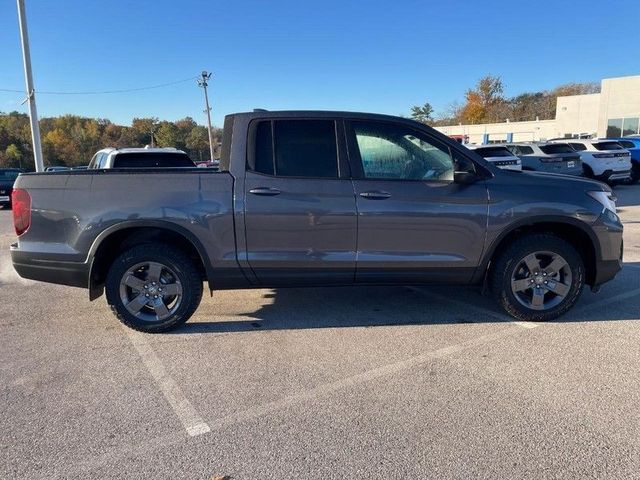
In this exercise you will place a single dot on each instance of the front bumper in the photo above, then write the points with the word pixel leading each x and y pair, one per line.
pixel 28 265
pixel 608 230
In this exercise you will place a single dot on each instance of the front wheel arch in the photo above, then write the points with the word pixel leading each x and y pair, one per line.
pixel 576 235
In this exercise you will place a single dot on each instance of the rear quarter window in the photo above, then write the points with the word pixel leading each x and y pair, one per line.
pixel 627 144
pixel 152 160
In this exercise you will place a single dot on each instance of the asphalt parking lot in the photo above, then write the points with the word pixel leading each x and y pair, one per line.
pixel 322 383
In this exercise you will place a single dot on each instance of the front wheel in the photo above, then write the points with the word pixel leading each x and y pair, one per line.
pixel 153 288
pixel 538 277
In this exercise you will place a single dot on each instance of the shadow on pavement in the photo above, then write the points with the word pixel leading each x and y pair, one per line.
pixel 344 307
pixel 627 196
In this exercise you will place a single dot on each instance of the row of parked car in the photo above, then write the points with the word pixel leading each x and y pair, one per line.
pixel 610 160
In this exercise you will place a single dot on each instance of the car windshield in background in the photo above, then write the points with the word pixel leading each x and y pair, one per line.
pixel 9 175
pixel 556 148
pixel 627 144
pixel 494 152
pixel 152 160
pixel 608 146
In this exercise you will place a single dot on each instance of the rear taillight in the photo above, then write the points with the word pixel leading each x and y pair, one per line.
pixel 603 155
pixel 21 205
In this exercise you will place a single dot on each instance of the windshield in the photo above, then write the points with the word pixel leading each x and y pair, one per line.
pixel 556 148
pixel 152 160
pixel 494 152
pixel 9 175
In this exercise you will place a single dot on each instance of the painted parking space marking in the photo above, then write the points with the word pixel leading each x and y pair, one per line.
pixel 184 410
pixel 354 380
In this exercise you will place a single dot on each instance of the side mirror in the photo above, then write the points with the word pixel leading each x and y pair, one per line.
pixel 465 178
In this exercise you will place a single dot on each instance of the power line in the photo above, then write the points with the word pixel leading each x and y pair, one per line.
pixel 103 92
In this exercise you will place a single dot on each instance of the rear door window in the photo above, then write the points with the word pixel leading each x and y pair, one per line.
pixel 295 148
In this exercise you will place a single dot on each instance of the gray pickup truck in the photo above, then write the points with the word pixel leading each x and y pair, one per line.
pixel 317 199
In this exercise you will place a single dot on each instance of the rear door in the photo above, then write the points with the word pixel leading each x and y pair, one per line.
pixel 415 225
pixel 300 211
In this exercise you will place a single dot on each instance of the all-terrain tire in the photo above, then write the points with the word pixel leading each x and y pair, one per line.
pixel 502 271
pixel 177 266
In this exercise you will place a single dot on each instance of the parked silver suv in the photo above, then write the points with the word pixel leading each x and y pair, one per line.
pixel 140 158
pixel 547 157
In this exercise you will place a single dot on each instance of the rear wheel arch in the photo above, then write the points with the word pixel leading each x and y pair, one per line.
pixel 579 237
pixel 113 241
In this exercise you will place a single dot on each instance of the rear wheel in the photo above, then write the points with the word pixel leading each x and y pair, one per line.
pixel 538 277
pixel 153 288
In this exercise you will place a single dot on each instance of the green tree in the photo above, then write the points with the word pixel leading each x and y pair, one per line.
pixel 423 114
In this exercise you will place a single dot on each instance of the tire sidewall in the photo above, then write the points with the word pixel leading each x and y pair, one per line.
pixel 172 258
pixel 513 258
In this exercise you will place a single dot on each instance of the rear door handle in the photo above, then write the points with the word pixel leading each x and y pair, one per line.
pixel 375 195
pixel 265 191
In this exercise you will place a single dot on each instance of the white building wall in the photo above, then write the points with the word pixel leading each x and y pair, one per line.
pixel 522 131
pixel 620 98
pixel 577 114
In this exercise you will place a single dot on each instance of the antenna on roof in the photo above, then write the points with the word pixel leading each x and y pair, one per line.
pixel 260 110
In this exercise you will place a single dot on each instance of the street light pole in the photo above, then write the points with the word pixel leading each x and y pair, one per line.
pixel 31 95
pixel 203 83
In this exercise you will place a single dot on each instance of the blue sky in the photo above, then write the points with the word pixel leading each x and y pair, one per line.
pixel 381 56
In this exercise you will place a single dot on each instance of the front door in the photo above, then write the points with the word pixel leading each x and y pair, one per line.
pixel 415 225
pixel 300 211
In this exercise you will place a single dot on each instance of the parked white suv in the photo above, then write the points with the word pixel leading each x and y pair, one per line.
pixel 140 158
pixel 498 155
pixel 604 160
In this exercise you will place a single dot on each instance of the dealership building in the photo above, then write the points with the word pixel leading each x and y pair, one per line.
pixel 613 112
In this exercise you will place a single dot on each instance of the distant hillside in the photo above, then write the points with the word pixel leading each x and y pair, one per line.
pixel 72 140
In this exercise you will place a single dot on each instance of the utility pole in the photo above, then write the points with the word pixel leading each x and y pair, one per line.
pixel 203 83
pixel 31 94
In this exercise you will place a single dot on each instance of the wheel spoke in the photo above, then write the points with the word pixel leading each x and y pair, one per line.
pixel 533 264
pixel 558 288
pixel 160 308
pixel 520 285
pixel 171 289
pixel 135 305
pixel 537 301
pixel 154 272
pixel 134 282
pixel 556 265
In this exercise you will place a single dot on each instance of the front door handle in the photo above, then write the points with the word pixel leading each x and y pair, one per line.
pixel 266 191
pixel 375 195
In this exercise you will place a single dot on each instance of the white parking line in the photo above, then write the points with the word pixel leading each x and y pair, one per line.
pixel 192 422
pixel 485 311
pixel 369 375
